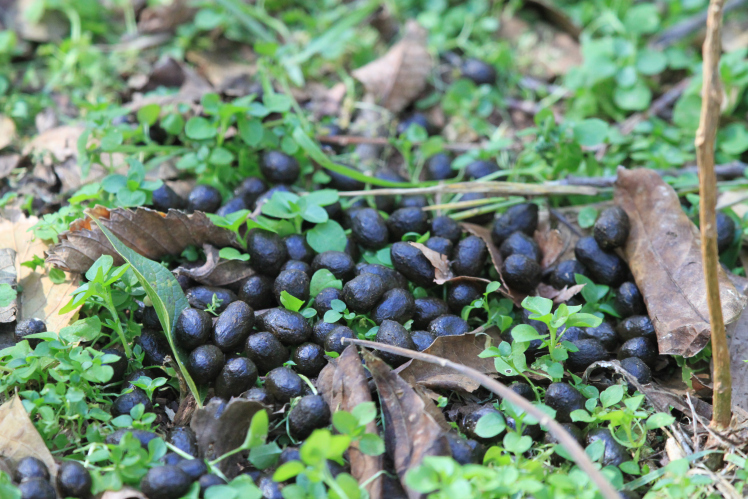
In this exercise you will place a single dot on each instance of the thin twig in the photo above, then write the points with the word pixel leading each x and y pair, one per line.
pixel 494 187
pixel 687 27
pixel 565 439
pixel 563 220
pixel 711 96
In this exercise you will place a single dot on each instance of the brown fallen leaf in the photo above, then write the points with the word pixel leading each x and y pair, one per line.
pixel 399 76
pixel 411 434
pixel 552 245
pixel 165 16
pixel 442 272
pixel 40 298
pixel 217 271
pixel 193 88
pixel 151 233
pixel 225 71
pixel 8 275
pixel 344 389
pixel 8 162
pixel 558 295
pixel 18 436
pixel 7 131
pixel 664 254
pixel 221 427
pixel 123 493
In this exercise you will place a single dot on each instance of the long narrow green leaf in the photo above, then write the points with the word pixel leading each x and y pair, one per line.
pixel 165 293
pixel 654 475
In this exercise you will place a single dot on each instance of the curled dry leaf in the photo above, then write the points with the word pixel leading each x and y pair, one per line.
pixel 558 296
pixel 552 245
pixel 18 436
pixel 399 76
pixel 217 271
pixel 165 16
pixel 123 493
pixel 442 272
pixel 151 233
pixel 411 434
pixel 664 253
pixel 345 387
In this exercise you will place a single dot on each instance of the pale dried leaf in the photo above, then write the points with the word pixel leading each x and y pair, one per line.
pixel 552 245
pixel 8 162
pixel 165 16
pixel 558 296
pixel 217 271
pixel 18 436
pixel 150 233
pixel 399 76
pixel 192 90
pixel 8 275
pixel 7 131
pixel 664 253
pixel 227 74
pixel 123 493
pixel 442 272
pixel 53 25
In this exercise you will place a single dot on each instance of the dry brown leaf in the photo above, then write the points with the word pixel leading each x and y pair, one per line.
pixel 344 386
pixel 442 272
pixel 7 131
pixel 8 275
pixel 558 296
pixel 193 88
pixel 165 16
pixel 326 101
pixel 123 493
pixel 217 271
pixel 8 162
pixel 18 436
pixel 664 254
pixel 150 233
pixel 411 434
pixel 224 72
pixel 399 76
pixel 53 25
pixel 40 298
pixel 552 245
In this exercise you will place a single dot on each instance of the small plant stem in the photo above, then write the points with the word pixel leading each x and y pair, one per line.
pixel 711 95
pixel 107 295
pixel 565 439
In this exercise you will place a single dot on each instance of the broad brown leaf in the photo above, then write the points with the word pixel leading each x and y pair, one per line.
pixel 442 272
pixel 558 295
pixel 399 76
pixel 18 436
pixel 551 244
pixel 664 254
pixel 345 387
pixel 217 271
pixel 411 434
pixel 151 233
pixel 7 131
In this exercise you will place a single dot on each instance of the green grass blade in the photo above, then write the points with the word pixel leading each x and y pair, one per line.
pixel 165 293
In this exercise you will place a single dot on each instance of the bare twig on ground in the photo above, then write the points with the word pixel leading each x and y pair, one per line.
pixel 497 188
pixel 687 27
pixel 706 134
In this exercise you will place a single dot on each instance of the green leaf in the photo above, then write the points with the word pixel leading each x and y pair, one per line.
pixel 251 131
pixel 595 450
pixel 7 295
pixel 328 236
pixel 538 305
pixel 587 217
pixel 590 132
pixel 733 139
pixel 315 214
pixel 148 114
pixel 258 430
pixel 233 254
pixel 365 412
pixel 322 197
pixel 111 140
pixel 634 98
pixel 290 302
pixel 371 444
pixel 166 294
pixel 172 123
pixel 323 279
pixel 288 470
pixel 611 396
pixel 524 332
pixel 265 456
pixel 583 320
pixel 582 415
pixel 490 424
pixel 345 422
pixel 651 62
pixel 659 420
pixel 57 276
pixel 516 443
pixel 199 128
pixel 642 18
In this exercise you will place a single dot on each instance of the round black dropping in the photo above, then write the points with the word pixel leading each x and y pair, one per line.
pixel 260 395
pixel 119 367
pixel 461 294
pixel 522 217
pixel 550 439
pixel 414 119
pixel 393 333
pixel 563 274
pixel 142 436
pixel 369 228
pixel 386 203
pixel 201 297
pixel 284 384
pixel 321 331
pixel 309 359
pixel 123 404
pixel 250 189
pixel 480 169
pixel 521 273
pixel 481 73
pixel 298 249
pixel 267 251
pixel 290 327
pixel 298 265
pixel 204 198
pixel 279 168
pixel 406 220
pixel 343 182
pixel 629 300
pixel 605 334
pixel 334 340
pixel 27 327
pixel 521 244
pixel 448 325
pixel 323 300
pixel 185 282
pixel 392 278
pixel 150 319
pixel 165 199
pixel 362 292
pixel 206 362
pixel 643 348
pixel 615 453
pixel 480 219
pixel 439 167
pixel 588 352
pixel 426 310
pixel 155 347
pixel 269 488
pixel 352 249
pixel 612 228
pixel 412 263
pixel 233 326
pixel 289 454
pixel 30 467
pixel 37 488
pixel 440 245
pixel 414 201
pixel 311 412
pixel 604 267
pixel 257 292
pixel 184 439
pixel 460 449
pixel 237 376
pixel 293 282
pixel 725 231
pixel 266 351
pixel 165 482
pixel 446 227
pixel 564 399
pixel 571 334
pixel 422 339
pixel 207 481
pixel 171 459
pixel 637 368
pixel 636 326
pixel 74 480
pixel 192 328
pixel 339 263
pixel 396 304
pixel 470 257
pixel 232 206
pixel 194 468
pixel 470 421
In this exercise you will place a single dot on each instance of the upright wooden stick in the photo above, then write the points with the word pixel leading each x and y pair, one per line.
pixel 711 95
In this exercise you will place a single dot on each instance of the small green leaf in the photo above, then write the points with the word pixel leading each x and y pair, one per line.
pixel 490 424
pixel 659 420
pixel 595 450
pixel 524 332
pixel 328 236
pixel 365 412
pixel 233 254
pixel 590 132
pixel 587 217
pixel 57 276
pixel 371 444
pixel 582 415
pixel 265 456
pixel 345 422
pixel 611 396
pixel 199 128
pixel 323 279
pixel 290 302
pixel 537 304
pixel 288 470
pixel 516 443
pixel 148 114
pixel 7 295
pixel 172 123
